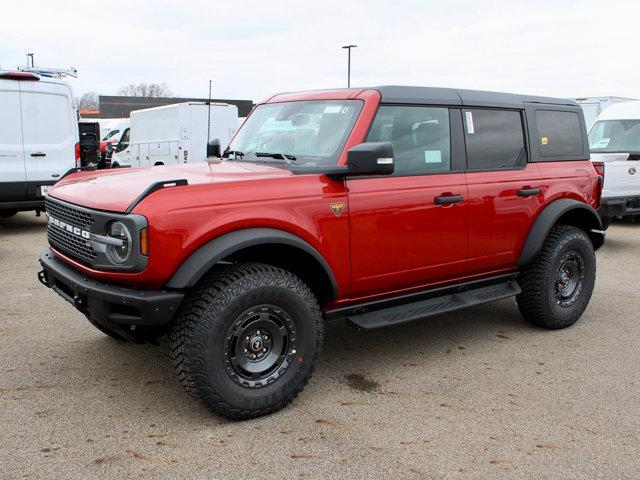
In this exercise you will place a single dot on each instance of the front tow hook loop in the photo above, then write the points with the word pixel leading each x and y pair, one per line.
pixel 42 276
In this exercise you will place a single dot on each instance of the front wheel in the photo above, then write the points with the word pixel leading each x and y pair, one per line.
pixel 557 285
pixel 245 341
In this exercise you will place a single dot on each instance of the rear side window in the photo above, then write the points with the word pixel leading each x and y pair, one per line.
pixel 46 118
pixel 494 138
pixel 420 136
pixel 559 133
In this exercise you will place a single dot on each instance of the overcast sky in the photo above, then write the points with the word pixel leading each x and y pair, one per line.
pixel 252 49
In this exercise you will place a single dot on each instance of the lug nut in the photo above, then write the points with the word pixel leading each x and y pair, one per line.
pixel 264 350
pixel 258 332
pixel 254 356
pixel 245 350
pixel 265 337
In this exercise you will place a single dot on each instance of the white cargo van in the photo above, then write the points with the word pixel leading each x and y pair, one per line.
pixel 38 138
pixel 594 106
pixel 614 141
pixel 174 134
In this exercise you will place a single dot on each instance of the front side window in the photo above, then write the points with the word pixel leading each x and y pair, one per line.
pixel 420 136
pixel 494 138
pixel 310 132
pixel 560 133
pixel 124 141
pixel 615 136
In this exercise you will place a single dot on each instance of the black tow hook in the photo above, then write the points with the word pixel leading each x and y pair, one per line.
pixel 42 276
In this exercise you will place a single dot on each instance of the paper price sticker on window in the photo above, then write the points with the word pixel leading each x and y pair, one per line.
pixel 470 128
pixel 544 140
pixel 432 156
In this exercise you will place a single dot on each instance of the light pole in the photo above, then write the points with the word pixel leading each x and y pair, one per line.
pixel 349 47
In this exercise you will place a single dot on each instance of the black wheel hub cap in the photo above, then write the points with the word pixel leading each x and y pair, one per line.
pixel 569 279
pixel 259 346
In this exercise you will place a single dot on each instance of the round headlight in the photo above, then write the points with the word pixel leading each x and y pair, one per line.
pixel 120 253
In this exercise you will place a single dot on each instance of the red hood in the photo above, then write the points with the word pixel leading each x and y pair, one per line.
pixel 114 190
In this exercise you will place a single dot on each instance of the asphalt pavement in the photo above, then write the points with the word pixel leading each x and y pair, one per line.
pixel 474 394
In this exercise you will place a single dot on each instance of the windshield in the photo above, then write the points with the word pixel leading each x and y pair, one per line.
pixel 110 134
pixel 310 132
pixel 615 136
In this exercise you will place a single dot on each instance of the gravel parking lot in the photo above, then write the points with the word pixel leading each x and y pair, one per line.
pixel 474 394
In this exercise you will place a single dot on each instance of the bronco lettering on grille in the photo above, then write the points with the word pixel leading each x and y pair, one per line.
pixel 70 228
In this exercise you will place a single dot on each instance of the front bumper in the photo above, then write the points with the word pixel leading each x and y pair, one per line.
pixel 23 206
pixel 619 207
pixel 107 303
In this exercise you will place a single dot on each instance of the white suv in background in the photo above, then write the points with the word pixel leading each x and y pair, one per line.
pixel 614 140
pixel 38 138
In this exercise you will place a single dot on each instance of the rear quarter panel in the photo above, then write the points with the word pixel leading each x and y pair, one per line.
pixel 571 179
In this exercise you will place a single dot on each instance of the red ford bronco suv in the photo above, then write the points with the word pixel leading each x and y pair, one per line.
pixel 378 205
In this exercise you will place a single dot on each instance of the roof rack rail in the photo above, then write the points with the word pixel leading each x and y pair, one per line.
pixel 51 72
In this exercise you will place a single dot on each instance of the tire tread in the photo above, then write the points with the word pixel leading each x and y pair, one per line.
pixel 532 301
pixel 216 291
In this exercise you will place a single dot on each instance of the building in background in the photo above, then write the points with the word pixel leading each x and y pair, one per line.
pixel 117 106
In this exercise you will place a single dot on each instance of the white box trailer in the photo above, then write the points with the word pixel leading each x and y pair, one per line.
pixel 176 133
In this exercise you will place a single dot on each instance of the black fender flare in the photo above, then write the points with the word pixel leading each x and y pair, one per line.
pixel 205 257
pixel 590 222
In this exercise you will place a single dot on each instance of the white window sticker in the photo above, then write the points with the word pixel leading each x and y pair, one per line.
pixel 332 109
pixel 602 143
pixel 470 128
pixel 432 156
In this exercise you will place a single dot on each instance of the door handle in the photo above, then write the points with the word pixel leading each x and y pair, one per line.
pixel 528 192
pixel 448 199
pixel 38 154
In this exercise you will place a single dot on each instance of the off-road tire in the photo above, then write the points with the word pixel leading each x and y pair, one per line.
pixel 540 301
pixel 206 320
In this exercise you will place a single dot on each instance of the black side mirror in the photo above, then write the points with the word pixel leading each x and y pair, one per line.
pixel 371 158
pixel 213 148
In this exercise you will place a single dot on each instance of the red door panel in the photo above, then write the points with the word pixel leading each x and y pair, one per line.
pixel 500 219
pixel 400 238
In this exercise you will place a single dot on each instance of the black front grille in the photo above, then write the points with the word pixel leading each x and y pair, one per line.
pixel 66 241
pixel 68 214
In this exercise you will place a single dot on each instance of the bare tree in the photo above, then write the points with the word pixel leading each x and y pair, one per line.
pixel 89 101
pixel 146 90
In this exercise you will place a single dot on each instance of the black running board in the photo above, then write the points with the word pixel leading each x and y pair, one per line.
pixel 433 306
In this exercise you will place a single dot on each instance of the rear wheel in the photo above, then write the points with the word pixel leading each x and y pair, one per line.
pixel 245 341
pixel 557 285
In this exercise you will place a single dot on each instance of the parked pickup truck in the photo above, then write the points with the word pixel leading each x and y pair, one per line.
pixel 614 141
pixel 377 205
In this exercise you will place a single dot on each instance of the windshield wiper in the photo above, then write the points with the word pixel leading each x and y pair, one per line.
pixel 277 155
pixel 235 153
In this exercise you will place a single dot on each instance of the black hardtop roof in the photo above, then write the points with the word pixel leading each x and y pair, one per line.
pixel 454 96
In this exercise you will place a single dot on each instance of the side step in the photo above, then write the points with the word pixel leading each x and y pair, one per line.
pixel 433 306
